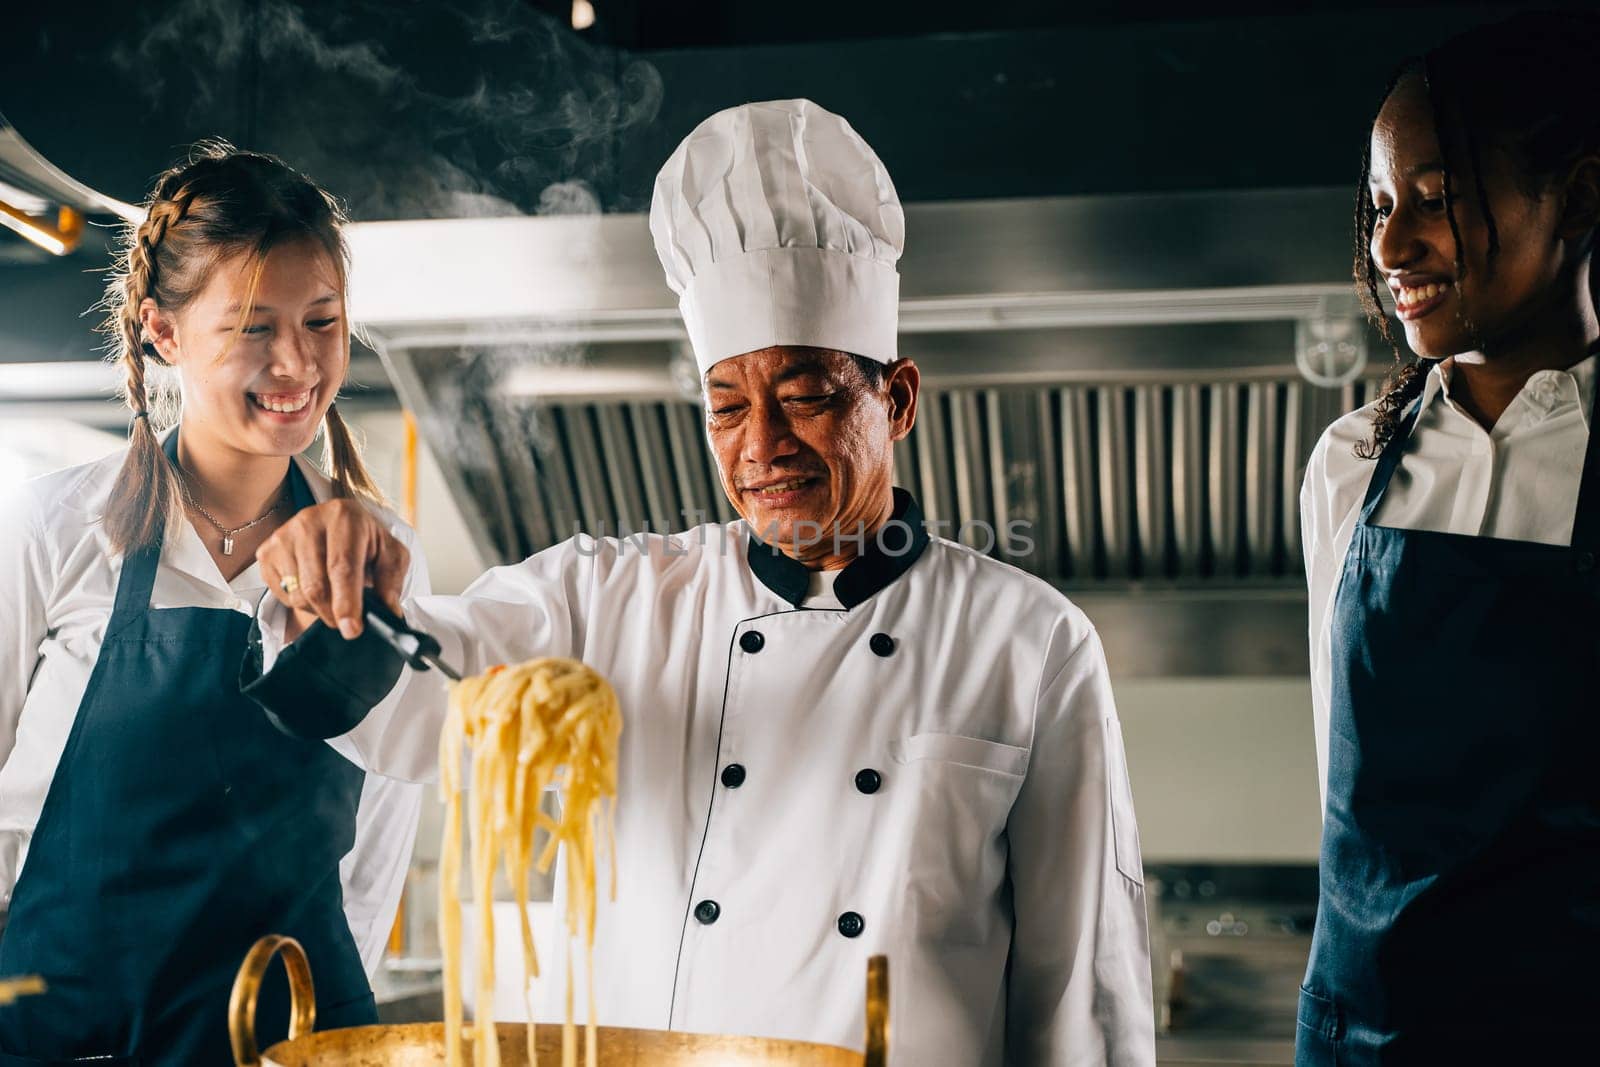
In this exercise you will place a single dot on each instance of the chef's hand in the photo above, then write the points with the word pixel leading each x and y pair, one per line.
pixel 319 562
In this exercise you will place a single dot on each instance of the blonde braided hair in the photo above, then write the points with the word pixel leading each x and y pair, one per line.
pixel 219 202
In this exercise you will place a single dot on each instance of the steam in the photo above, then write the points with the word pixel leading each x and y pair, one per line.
pixel 569 198
pixel 437 109
pixel 499 111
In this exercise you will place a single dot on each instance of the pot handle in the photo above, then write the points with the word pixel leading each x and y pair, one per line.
pixel 247 985
pixel 877 1012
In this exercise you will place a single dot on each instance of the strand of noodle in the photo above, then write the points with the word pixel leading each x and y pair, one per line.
pixel 591 1033
pixel 450 879
pixel 28 985
pixel 569 1044
pixel 529 737
pixel 543 724
pixel 530 956
pixel 486 1050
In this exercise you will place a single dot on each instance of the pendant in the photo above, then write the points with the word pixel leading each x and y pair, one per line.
pixel 227 544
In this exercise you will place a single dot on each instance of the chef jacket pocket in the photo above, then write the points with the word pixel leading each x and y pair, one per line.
pixel 966 751
pixel 952 796
pixel 1124 826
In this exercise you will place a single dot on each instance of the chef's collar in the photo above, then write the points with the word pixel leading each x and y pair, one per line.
pixel 885 556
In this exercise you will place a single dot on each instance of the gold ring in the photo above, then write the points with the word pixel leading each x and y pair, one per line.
pixel 289 583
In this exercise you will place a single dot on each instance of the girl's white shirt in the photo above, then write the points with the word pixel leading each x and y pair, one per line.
pixel 1518 481
pixel 58 582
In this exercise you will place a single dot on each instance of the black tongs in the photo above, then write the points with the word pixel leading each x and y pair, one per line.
pixel 419 649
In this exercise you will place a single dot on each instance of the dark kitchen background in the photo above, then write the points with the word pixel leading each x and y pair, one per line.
pixel 1127 277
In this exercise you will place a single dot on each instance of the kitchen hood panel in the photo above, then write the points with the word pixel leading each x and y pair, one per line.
pixel 1090 483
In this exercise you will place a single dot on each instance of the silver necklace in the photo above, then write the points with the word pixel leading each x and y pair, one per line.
pixel 227 534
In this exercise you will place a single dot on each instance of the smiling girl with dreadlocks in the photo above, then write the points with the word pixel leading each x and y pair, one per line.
pixel 1452 529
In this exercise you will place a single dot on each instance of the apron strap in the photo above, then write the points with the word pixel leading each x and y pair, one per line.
pixel 139 566
pixel 1586 522
pixel 1389 461
pixel 138 578
pixel 299 489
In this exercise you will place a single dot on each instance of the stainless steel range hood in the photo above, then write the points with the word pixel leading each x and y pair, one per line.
pixel 44 204
pixel 1118 373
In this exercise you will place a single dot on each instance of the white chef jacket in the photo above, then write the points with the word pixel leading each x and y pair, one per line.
pixel 996 863
pixel 1518 481
pixel 58 582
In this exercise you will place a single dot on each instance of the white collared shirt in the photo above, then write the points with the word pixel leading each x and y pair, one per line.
pixel 1518 481
pixel 58 582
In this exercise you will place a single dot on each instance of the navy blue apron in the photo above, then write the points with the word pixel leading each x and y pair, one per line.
pixel 1459 911
pixel 180 827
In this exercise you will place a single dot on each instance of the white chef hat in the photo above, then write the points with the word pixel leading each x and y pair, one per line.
pixel 777 224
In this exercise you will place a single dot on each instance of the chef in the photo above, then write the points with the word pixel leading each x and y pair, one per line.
pixel 845 736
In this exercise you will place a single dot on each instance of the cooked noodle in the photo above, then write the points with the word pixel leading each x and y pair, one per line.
pixel 12 988
pixel 543 724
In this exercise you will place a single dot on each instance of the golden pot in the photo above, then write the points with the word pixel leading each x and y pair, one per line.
pixel 422 1044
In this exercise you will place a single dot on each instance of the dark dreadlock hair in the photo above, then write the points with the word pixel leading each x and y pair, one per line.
pixel 1524 87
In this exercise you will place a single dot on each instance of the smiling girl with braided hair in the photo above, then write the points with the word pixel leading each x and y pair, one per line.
pixel 153 823
pixel 1452 530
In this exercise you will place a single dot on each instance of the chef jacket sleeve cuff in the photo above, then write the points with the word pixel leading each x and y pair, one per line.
pixel 322 685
